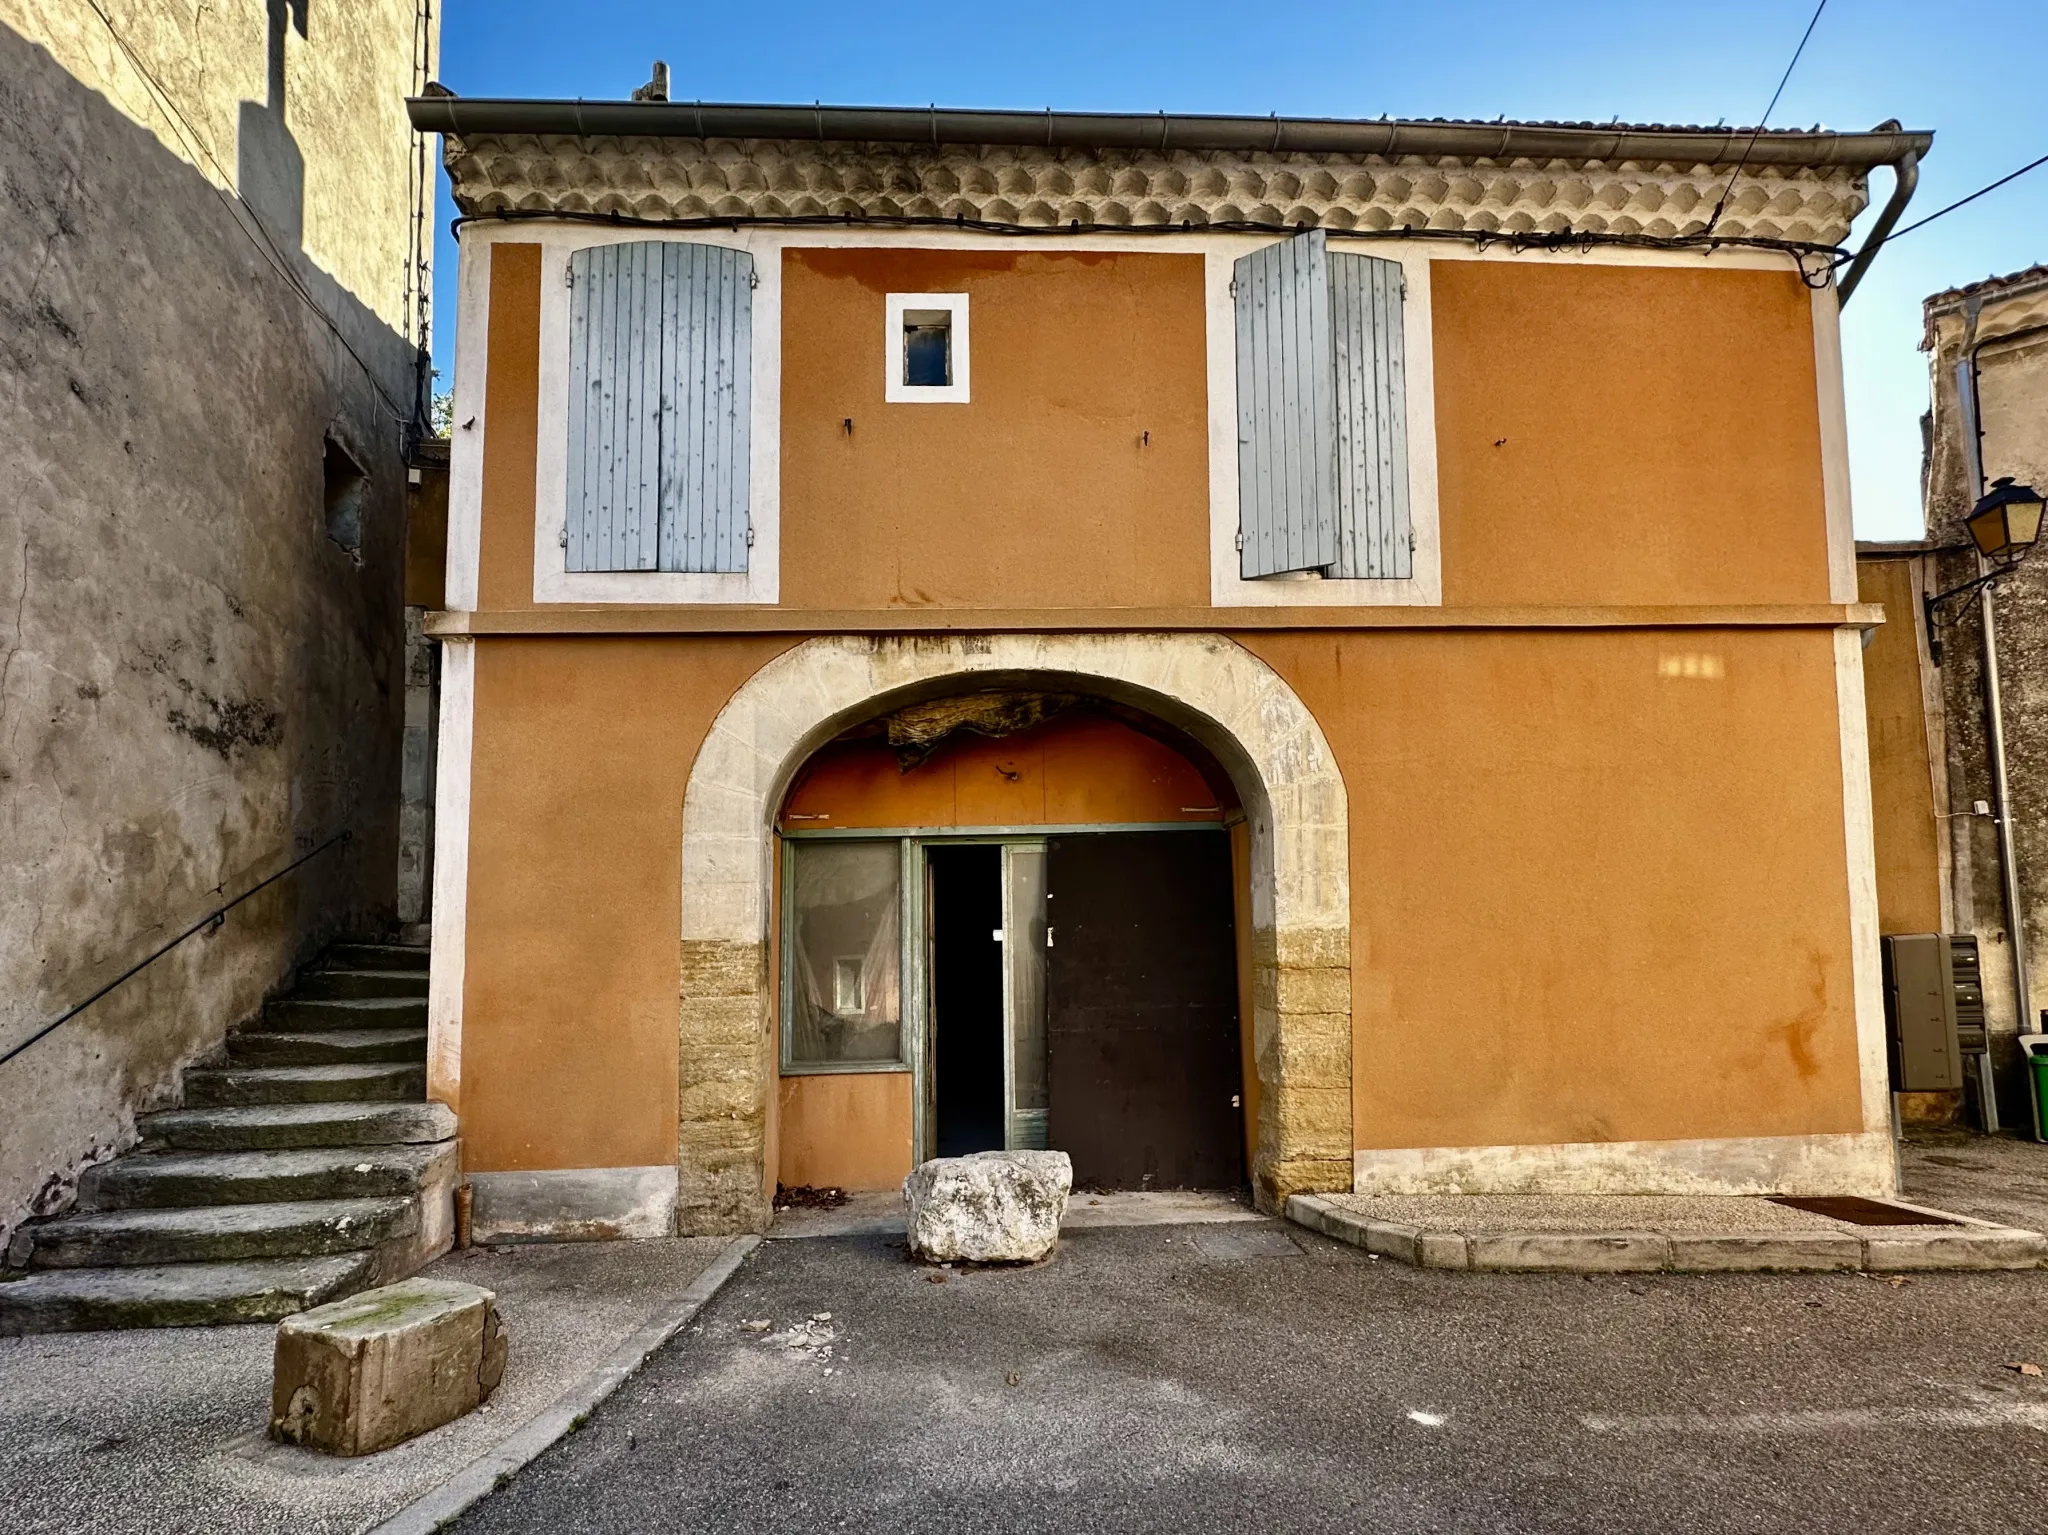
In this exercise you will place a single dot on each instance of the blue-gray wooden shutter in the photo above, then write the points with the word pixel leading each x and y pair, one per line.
pixel 1286 409
pixel 660 403
pixel 1373 529
pixel 707 406
pixel 613 513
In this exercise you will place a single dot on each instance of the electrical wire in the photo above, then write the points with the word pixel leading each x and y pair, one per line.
pixel 1758 131
pixel 419 233
pixel 1570 239
pixel 2031 165
pixel 240 213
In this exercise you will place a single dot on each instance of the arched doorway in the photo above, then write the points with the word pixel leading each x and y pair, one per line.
pixel 1241 713
pixel 1011 919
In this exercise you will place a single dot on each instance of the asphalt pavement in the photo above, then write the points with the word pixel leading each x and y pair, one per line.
pixel 1251 1376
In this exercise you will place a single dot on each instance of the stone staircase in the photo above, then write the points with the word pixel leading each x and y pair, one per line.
pixel 306 1164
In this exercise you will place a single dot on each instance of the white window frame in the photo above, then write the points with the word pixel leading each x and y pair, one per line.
pixel 894 390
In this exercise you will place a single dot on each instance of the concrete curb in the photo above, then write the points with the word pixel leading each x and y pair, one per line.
pixel 1969 1244
pixel 490 1470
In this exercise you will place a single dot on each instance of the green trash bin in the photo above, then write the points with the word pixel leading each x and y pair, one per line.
pixel 2037 1061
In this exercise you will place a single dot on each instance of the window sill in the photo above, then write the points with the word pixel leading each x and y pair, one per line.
pixel 840 1068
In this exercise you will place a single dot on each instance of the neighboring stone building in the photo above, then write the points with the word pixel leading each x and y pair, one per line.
pixel 1171 638
pixel 211 320
pixel 1994 333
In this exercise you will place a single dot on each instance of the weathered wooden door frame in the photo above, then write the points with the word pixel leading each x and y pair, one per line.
pixel 915 926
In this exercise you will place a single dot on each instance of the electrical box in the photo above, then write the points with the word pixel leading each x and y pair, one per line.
pixel 1934 1009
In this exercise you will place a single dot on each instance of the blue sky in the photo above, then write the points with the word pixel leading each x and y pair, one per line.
pixel 1868 60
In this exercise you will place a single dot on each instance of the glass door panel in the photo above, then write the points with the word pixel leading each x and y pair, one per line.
pixel 1024 934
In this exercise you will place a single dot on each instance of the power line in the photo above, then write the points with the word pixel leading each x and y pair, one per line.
pixel 1938 212
pixel 1758 131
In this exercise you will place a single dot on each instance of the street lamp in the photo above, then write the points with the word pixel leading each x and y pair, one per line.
pixel 2007 521
pixel 2003 525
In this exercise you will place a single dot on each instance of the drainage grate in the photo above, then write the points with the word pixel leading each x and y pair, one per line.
pixel 1858 1211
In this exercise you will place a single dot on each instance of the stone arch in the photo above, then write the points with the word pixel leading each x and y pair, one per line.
pixel 1222 695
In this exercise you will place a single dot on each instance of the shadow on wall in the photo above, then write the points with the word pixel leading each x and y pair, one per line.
pixel 269 169
pixel 198 680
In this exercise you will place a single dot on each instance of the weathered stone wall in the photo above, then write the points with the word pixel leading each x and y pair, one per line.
pixel 2011 341
pixel 205 282
pixel 426 567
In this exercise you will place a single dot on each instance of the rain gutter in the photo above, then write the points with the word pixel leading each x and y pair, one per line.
pixel 1162 131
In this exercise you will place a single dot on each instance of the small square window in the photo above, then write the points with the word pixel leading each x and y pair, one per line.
pixel 925 348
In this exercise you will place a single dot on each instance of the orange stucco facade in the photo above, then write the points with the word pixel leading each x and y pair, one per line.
pixel 1905 820
pixel 1601 852
pixel 1075 769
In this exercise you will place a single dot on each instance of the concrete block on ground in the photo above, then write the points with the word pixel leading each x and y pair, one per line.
pixel 1767 1251
pixel 1954 1247
pixel 365 1373
pixel 991 1207
pixel 1580 1252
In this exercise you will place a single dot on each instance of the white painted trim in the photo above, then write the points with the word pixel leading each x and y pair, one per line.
pixel 466 432
pixel 1764 1164
pixel 1834 444
pixel 1229 589
pixel 553 581
pixel 894 390
pixel 1860 857
pixel 449 956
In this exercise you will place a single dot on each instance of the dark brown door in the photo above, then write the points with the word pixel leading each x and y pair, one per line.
pixel 1141 1010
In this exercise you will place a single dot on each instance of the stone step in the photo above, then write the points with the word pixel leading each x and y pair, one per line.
pixel 327 984
pixel 377 956
pixel 379 1082
pixel 184 1180
pixel 178 1295
pixel 286 1126
pixel 216 1233
pixel 300 1015
pixel 264 1047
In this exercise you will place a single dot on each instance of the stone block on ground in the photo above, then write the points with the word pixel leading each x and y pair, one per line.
pixel 991 1207
pixel 371 1371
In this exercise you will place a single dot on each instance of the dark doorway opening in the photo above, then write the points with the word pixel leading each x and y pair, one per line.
pixel 1141 1011
pixel 965 899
